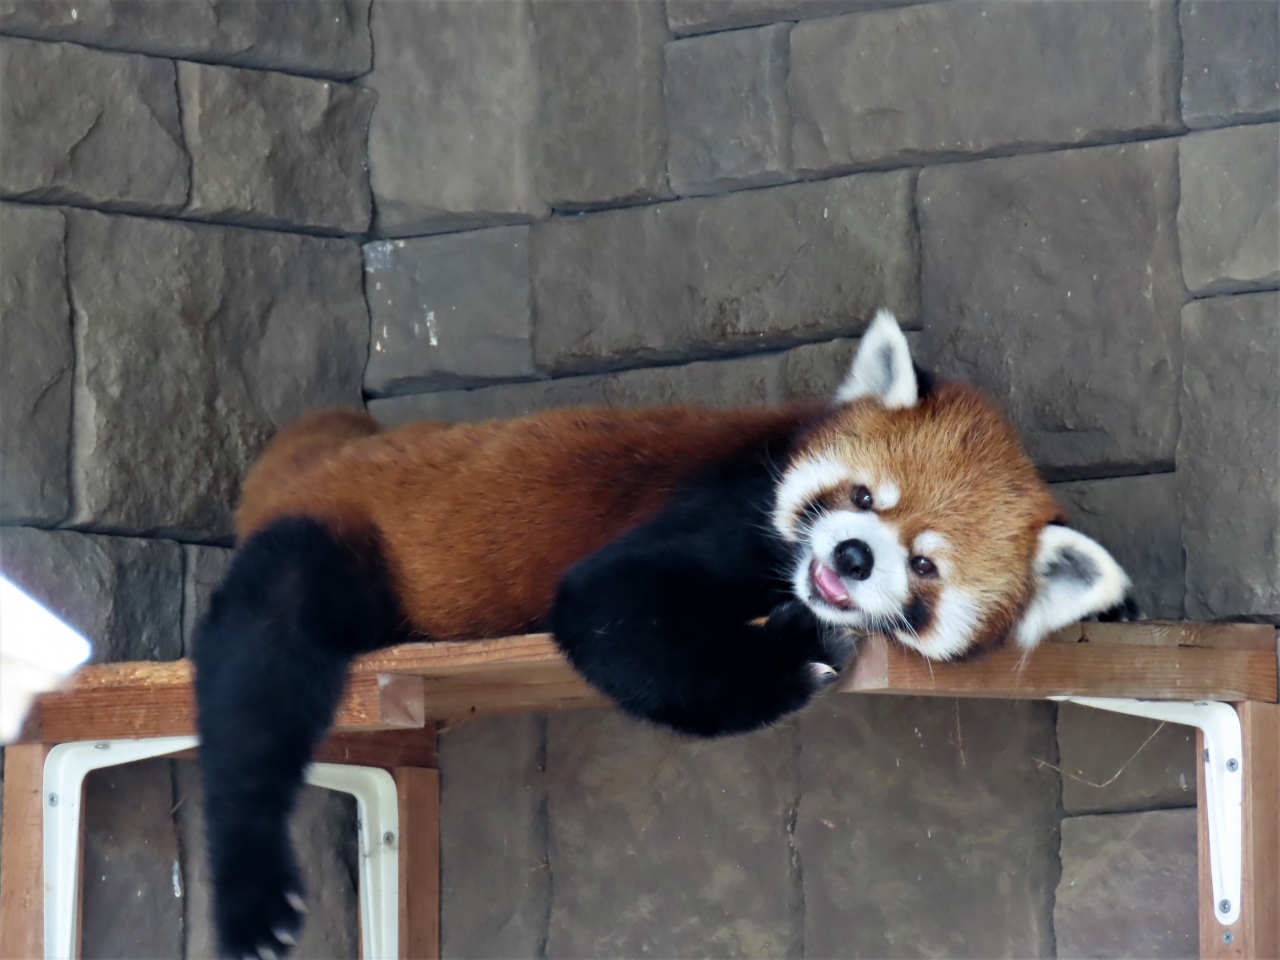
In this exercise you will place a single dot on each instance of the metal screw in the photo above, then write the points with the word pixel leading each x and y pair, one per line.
pixel 53 799
pixel 102 746
pixel 388 838
pixel 1224 906
pixel 1206 754
pixel 1233 765
pixel 1227 937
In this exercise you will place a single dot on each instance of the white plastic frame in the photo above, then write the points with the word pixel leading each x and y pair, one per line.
pixel 68 764
pixel 1224 783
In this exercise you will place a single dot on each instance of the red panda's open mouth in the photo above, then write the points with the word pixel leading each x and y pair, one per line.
pixel 828 585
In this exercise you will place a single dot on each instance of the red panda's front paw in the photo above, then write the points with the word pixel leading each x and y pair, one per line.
pixel 259 920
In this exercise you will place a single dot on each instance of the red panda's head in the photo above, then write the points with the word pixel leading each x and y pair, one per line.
pixel 920 517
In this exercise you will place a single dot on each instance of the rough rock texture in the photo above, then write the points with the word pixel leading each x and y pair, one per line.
pixel 1230 60
pixel 194 343
pixel 602 132
pixel 496 883
pixel 203 569
pixel 1229 216
pixel 91 127
pixel 36 361
pixel 808 373
pixel 1129 886
pixel 323 37
pixel 926 828
pixel 710 275
pixel 958 78
pixel 324 834
pixel 132 885
pixel 449 311
pixel 1063 302
pixel 1136 519
pixel 702 16
pixel 670 848
pixel 275 150
pixel 124 595
pixel 1112 762
pixel 1229 456
pixel 432 165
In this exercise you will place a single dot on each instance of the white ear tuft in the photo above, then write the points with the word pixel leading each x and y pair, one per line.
pixel 1074 578
pixel 882 367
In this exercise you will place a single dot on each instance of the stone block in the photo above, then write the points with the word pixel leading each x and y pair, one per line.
pixel 602 133
pixel 1229 457
pixel 1229 217
pixel 951 79
pixel 324 834
pixel 1112 762
pixel 1052 283
pixel 321 37
pixel 671 848
pixel 432 165
pixel 90 127
pixel 447 311
pixel 1137 520
pixel 203 570
pixel 122 594
pixel 704 16
pixel 1230 61
pixel 1129 886
pixel 36 362
pixel 276 150
pixel 727 110
pixel 133 901
pixel 713 275
pixel 926 827
pixel 194 343
pixel 495 880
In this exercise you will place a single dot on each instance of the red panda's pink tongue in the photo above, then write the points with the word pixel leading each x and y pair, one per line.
pixel 829 585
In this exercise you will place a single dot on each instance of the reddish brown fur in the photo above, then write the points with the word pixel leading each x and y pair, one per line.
pixel 478 521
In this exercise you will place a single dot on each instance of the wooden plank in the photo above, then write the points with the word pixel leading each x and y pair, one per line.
pixel 1171 633
pixel 1257 931
pixel 1098 669
pixel 418 792
pixel 22 844
pixel 381 748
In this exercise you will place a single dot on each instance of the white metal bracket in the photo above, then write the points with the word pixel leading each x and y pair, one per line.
pixel 68 764
pixel 1223 760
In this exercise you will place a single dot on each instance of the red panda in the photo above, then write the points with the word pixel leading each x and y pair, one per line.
pixel 708 570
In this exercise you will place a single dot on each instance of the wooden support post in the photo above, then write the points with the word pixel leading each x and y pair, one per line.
pixel 419 794
pixel 22 862
pixel 1257 932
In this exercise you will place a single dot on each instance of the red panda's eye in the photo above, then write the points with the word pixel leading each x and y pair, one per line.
pixel 923 567
pixel 862 498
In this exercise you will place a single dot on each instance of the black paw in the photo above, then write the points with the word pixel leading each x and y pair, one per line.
pixel 793 625
pixel 260 915
pixel 1124 612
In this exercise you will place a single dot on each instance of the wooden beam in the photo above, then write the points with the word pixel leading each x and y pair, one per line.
pixel 22 849
pixel 1257 932
pixel 418 791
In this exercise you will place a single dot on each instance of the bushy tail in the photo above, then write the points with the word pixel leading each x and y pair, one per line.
pixel 271 657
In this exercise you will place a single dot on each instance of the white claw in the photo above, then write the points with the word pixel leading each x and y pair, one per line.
pixel 822 673
pixel 266 953
pixel 296 902
pixel 285 937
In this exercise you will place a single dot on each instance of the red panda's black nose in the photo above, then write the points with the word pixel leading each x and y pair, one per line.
pixel 853 559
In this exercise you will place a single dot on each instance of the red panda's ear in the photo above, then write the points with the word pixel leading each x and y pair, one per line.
pixel 1074 578
pixel 882 368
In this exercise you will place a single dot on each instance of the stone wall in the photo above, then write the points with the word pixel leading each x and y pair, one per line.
pixel 218 213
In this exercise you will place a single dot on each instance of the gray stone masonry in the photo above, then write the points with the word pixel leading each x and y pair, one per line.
pixel 274 150
pixel 951 79
pixel 601 131
pixel 926 828
pixel 1112 762
pixel 321 37
pixel 712 275
pixel 193 344
pixel 727 110
pixel 1229 215
pixel 703 16
pixel 122 594
pixel 460 154
pixel 1137 520
pixel 203 569
pixel 670 848
pixel 36 362
pixel 1229 457
pixel 133 899
pixel 1230 61
pixel 1129 886
pixel 454 310
pixel 495 879
pixel 1052 282
pixel 90 127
